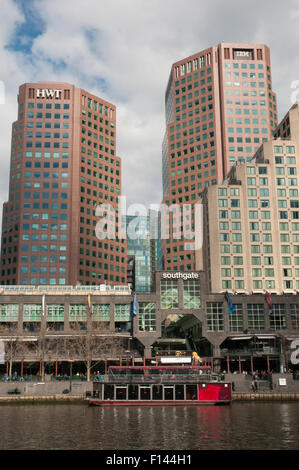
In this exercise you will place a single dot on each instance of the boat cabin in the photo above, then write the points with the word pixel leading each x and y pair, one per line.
pixel 158 383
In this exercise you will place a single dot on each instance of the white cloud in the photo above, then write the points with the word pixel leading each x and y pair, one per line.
pixel 131 44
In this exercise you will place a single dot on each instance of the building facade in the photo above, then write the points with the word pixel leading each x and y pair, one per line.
pixel 251 235
pixel 179 317
pixel 220 107
pixel 63 168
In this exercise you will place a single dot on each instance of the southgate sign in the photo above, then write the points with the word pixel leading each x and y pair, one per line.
pixel 47 93
pixel 180 275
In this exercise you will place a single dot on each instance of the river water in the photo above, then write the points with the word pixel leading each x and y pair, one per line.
pixel 241 426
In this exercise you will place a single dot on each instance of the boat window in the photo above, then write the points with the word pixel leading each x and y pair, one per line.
pixel 191 391
pixel 121 393
pixel 145 393
pixel 109 392
pixel 179 392
pixel 157 392
pixel 168 393
pixel 133 392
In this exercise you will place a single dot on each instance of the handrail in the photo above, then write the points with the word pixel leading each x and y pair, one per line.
pixel 159 379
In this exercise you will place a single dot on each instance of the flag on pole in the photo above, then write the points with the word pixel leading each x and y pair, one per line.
pixel 134 304
pixel 269 302
pixel 89 305
pixel 230 303
pixel 43 304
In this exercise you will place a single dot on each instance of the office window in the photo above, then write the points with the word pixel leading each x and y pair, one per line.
pixel 55 312
pixel 123 312
pixel 215 316
pixel 256 318
pixel 191 294
pixel 278 317
pixel 77 313
pixel 9 312
pixel 147 316
pixel 169 294
pixel 236 318
pixel 101 312
pixel 32 312
pixel 294 316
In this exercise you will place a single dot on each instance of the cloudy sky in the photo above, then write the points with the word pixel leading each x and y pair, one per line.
pixel 122 50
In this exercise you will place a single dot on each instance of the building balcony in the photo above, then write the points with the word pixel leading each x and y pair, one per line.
pixel 266 350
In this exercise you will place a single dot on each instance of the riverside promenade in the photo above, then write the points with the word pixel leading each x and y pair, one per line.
pixel 280 387
pixel 36 390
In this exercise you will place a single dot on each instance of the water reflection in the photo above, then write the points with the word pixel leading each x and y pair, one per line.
pixel 240 426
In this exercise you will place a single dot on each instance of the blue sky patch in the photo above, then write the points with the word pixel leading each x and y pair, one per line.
pixel 27 31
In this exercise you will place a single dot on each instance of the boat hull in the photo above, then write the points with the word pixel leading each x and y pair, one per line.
pixel 96 402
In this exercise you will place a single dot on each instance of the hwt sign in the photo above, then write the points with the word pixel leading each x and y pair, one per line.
pixel 47 93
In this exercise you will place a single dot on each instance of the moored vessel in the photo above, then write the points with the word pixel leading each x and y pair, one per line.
pixel 160 385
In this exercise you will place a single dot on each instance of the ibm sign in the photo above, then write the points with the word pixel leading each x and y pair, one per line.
pixel 246 55
pixel 46 93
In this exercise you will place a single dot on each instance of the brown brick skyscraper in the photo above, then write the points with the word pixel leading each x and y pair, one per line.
pixel 219 108
pixel 63 165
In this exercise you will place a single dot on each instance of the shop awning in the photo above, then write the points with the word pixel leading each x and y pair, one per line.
pixel 238 338
pixel 171 340
pixel 265 336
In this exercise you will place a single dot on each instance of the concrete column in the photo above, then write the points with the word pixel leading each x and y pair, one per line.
pixel 89 316
pixel 67 315
pixel 112 318
pixel 216 350
pixel 288 317
pixel 20 319
pixel 147 351
pixel 245 316
pixel 147 340
pixel 217 365
pixel 181 293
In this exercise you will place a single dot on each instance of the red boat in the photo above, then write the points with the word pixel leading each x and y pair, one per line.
pixel 160 385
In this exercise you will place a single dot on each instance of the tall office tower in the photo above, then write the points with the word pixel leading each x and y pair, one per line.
pixel 63 166
pixel 251 240
pixel 219 108
pixel 155 243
